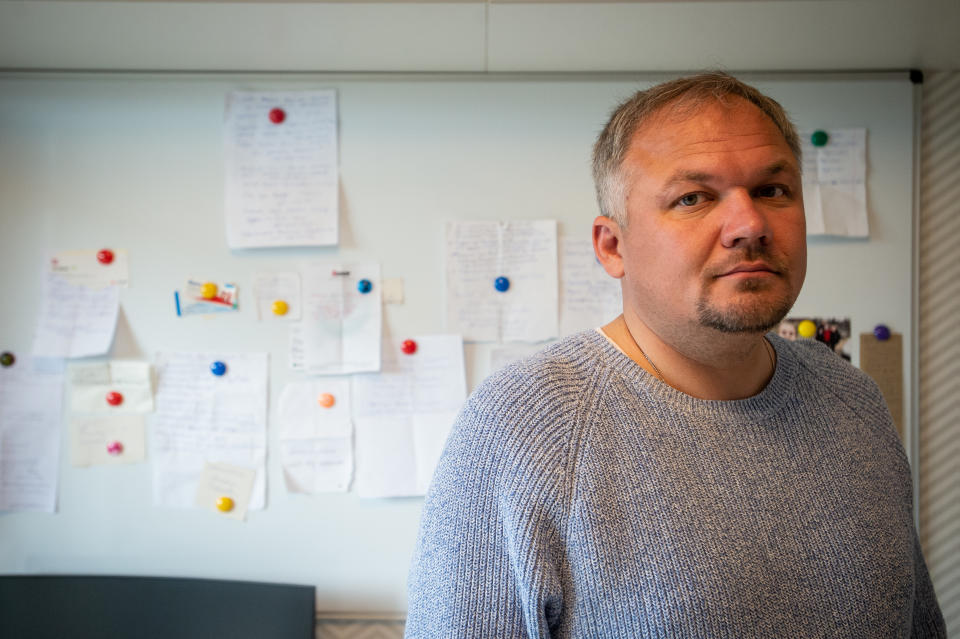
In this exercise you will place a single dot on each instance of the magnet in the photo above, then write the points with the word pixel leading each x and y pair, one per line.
pixel 806 328
pixel 280 307
pixel 819 138
pixel 881 332
pixel 277 115
pixel 326 400
pixel 7 359
pixel 208 291
pixel 364 286
pixel 408 346
pixel 218 369
pixel 115 448
pixel 224 504
pixel 114 398
pixel 105 256
pixel 501 284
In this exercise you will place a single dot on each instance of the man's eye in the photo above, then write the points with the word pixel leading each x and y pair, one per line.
pixel 771 190
pixel 691 199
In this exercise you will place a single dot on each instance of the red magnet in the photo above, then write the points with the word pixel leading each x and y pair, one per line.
pixel 277 115
pixel 114 398
pixel 409 346
pixel 114 448
pixel 105 256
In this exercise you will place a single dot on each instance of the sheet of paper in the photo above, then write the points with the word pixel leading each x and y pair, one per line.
pixel 404 413
pixel 341 328
pixel 834 183
pixel 220 480
pixel 281 168
pixel 505 354
pixel 316 435
pixel 524 252
pixel 589 297
pixel 31 393
pixel 201 417
pixel 104 440
pixel 271 288
pixel 75 320
pixel 91 383
pixel 82 268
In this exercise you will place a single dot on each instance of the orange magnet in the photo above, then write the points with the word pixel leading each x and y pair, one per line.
pixel 326 400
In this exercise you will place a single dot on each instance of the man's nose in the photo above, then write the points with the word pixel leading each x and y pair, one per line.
pixel 744 222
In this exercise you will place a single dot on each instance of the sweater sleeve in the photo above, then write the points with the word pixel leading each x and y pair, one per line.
pixel 488 561
pixel 928 621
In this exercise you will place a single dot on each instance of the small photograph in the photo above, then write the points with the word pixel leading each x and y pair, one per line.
pixel 834 332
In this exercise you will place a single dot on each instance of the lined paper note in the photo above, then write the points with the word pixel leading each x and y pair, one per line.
pixel 91 382
pixel 31 394
pixel 404 413
pixel 340 332
pixel 834 183
pixel 589 297
pixel 270 288
pixel 107 439
pixel 201 417
pixel 316 435
pixel 83 268
pixel 524 252
pixel 281 172
pixel 75 320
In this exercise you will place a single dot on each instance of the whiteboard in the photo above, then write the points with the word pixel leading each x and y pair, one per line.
pixel 135 161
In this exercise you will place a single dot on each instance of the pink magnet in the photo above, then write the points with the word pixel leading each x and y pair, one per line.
pixel 115 448
pixel 277 115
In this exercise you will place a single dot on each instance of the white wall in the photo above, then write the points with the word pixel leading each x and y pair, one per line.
pixel 477 36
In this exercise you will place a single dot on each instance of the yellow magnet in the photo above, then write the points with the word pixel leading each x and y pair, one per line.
pixel 208 291
pixel 326 400
pixel 280 307
pixel 806 328
pixel 224 504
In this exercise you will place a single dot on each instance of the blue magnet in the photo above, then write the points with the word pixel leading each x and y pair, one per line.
pixel 218 368
pixel 364 286
pixel 501 284
pixel 881 332
pixel 819 138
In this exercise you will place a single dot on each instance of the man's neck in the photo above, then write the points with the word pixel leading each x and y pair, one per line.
pixel 735 367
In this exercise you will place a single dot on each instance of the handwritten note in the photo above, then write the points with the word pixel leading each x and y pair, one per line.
pixel 316 435
pixel 272 289
pixel 107 439
pixel 91 383
pixel 523 252
pixel 281 168
pixel 75 320
pixel 201 417
pixel 31 394
pixel 589 297
pixel 834 183
pixel 403 414
pixel 220 480
pixel 342 325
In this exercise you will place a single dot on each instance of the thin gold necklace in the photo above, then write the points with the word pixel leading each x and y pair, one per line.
pixel 767 348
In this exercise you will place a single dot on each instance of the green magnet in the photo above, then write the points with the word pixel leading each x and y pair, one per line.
pixel 7 359
pixel 819 138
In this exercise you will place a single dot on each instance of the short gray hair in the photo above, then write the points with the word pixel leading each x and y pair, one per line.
pixel 691 92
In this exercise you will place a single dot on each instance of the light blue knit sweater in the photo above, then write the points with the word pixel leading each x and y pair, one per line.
pixel 578 496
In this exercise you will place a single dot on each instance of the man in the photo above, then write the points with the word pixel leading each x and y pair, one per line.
pixel 680 472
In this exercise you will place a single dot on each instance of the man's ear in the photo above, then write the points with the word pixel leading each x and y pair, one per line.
pixel 606 245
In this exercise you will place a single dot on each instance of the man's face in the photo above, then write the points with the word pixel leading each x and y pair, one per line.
pixel 715 234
